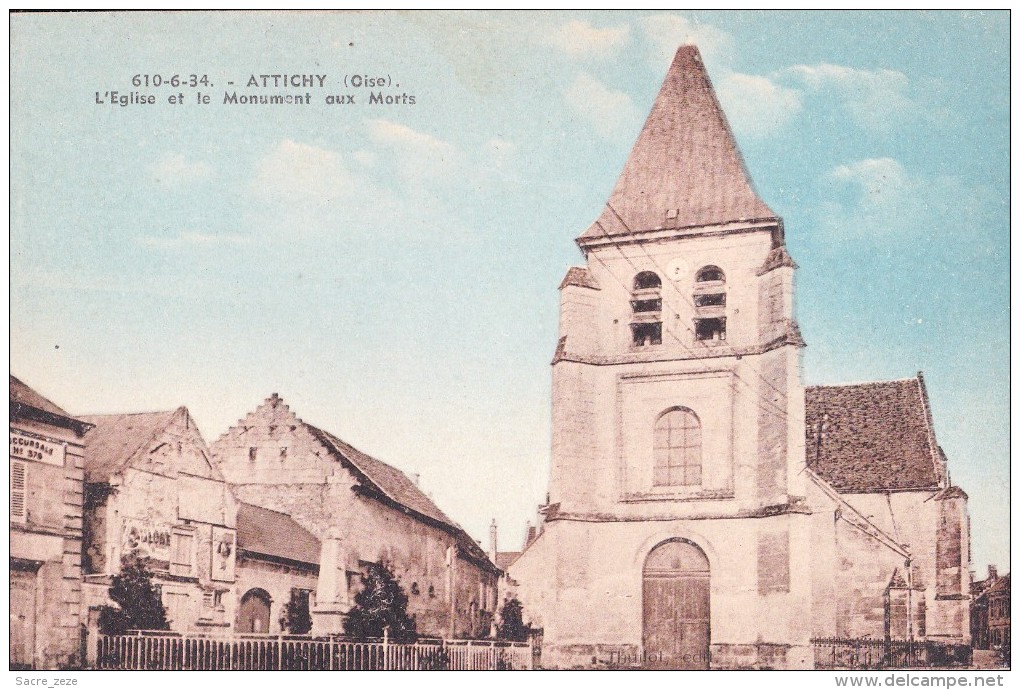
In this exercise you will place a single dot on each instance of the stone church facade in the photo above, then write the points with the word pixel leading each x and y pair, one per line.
pixel 705 509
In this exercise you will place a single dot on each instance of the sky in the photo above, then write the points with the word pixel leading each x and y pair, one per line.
pixel 391 269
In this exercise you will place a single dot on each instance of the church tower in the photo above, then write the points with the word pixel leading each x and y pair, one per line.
pixel 675 380
pixel 678 415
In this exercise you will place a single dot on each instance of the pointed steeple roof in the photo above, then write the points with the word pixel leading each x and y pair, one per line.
pixel 685 169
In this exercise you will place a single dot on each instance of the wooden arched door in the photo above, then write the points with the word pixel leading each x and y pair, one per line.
pixel 676 598
pixel 253 613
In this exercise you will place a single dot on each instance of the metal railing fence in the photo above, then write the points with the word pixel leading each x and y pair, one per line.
pixel 872 653
pixel 162 651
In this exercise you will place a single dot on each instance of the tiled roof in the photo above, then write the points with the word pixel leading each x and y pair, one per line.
pixel 117 439
pixel 505 558
pixel 23 395
pixel 1001 584
pixel 271 533
pixel 25 402
pixel 394 485
pixel 580 277
pixel 875 436
pixel 685 168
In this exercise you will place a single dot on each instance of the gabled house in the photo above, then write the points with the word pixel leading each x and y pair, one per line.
pixel 46 449
pixel 990 611
pixel 277 570
pixel 151 489
pixel 363 511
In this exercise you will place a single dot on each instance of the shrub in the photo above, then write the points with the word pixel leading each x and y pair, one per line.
pixel 138 601
pixel 380 606
pixel 511 622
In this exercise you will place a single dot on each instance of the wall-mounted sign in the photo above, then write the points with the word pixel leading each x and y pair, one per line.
pixel 150 540
pixel 24 447
pixel 223 554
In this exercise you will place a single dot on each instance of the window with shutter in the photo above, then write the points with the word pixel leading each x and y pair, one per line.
pixel 183 554
pixel 19 492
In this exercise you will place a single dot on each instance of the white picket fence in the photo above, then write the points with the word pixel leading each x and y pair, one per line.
pixel 159 651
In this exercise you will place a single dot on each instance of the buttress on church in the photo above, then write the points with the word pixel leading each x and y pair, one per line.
pixel 705 508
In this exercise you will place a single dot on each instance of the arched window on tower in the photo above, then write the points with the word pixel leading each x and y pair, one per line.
pixel 677 448
pixel 710 304
pixel 647 280
pixel 711 274
pixel 646 303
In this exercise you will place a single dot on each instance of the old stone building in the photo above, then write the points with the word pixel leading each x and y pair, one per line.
pixel 990 611
pixel 874 444
pixel 46 451
pixel 363 511
pixel 277 563
pixel 705 510
pixel 151 488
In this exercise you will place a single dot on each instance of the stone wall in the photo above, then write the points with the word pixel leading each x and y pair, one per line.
pixel 272 460
pixel 277 580
pixel 582 583
pixel 45 554
pixel 935 531
pixel 173 506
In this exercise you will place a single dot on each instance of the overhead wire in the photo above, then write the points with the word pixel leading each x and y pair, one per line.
pixel 774 408
pixel 682 295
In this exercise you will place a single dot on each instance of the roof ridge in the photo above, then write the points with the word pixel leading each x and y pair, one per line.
pixel 933 447
pixel 339 445
pixel 271 510
pixel 131 414
pixel 333 438
pixel 861 383
pixel 156 430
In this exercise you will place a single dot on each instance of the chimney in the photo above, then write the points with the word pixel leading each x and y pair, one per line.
pixel 993 573
pixel 492 540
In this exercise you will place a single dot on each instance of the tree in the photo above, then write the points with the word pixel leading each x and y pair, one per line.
pixel 297 619
pixel 511 622
pixel 140 607
pixel 380 606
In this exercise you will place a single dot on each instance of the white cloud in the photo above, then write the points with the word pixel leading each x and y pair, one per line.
pixel 174 169
pixel 293 170
pixel 420 158
pixel 399 180
pixel 498 152
pixel 668 32
pixel 879 198
pixel 757 106
pixel 185 239
pixel 580 39
pixel 874 98
pixel 881 180
pixel 366 158
pixel 612 113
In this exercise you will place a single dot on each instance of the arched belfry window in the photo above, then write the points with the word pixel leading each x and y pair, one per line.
pixel 677 448
pixel 646 303
pixel 647 280
pixel 710 304
pixel 710 274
